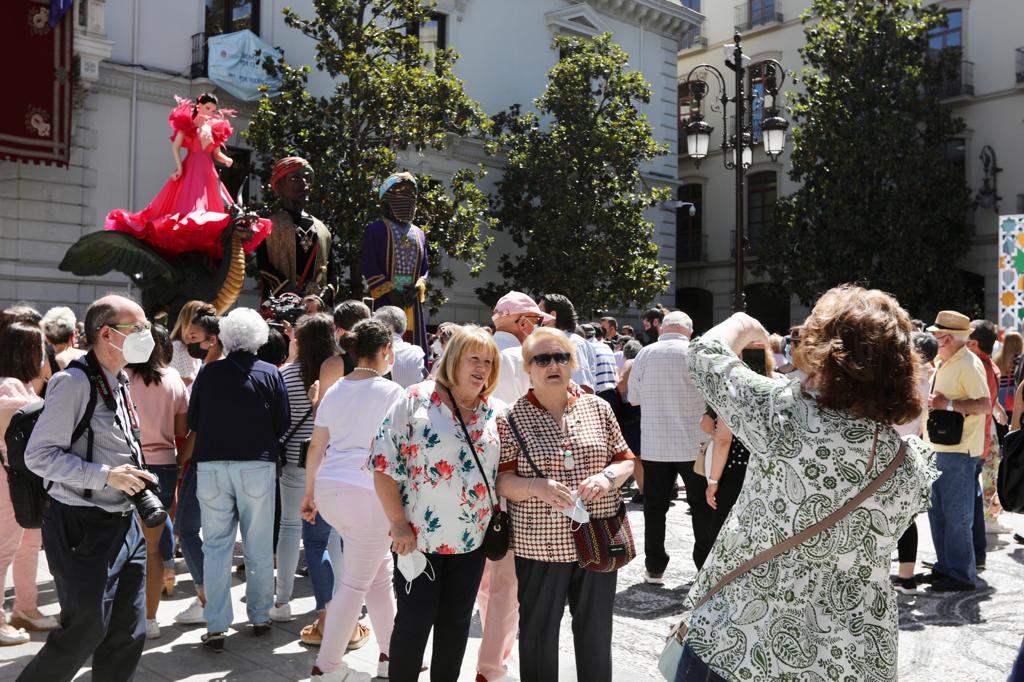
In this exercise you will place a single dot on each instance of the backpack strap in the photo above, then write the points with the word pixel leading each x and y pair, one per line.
pixel 85 424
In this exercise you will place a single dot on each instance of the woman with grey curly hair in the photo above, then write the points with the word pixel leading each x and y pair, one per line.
pixel 239 411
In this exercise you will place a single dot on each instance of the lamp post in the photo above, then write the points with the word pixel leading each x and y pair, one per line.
pixel 773 131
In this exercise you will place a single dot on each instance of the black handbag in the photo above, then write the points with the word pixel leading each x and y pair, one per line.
pixel 945 427
pixel 1010 478
pixel 497 536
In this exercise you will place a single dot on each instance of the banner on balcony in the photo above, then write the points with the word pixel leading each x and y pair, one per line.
pixel 236 64
pixel 35 120
pixel 1011 271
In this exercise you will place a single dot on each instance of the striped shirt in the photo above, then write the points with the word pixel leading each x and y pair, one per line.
pixel 299 402
pixel 604 366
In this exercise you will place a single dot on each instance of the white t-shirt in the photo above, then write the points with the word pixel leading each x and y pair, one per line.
pixel 352 412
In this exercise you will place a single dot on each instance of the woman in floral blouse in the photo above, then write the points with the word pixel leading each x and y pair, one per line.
pixel 436 499
pixel 825 609
pixel 575 441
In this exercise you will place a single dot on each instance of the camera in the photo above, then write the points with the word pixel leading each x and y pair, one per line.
pixel 283 309
pixel 148 504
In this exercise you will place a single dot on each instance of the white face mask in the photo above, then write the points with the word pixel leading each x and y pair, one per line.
pixel 137 346
pixel 436 347
pixel 411 565
pixel 577 513
pixel 391 363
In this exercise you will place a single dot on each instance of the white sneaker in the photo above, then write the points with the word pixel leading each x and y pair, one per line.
pixel 193 615
pixel 654 578
pixel 282 613
pixel 342 674
pixel 995 527
pixel 152 629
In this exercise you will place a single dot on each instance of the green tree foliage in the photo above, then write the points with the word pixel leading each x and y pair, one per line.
pixel 388 95
pixel 571 195
pixel 877 203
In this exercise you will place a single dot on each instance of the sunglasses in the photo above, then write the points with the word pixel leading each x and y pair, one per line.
pixel 545 359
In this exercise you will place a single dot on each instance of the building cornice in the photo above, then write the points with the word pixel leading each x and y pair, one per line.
pixel 666 17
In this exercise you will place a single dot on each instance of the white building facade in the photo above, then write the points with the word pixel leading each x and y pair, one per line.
pixel 988 95
pixel 136 55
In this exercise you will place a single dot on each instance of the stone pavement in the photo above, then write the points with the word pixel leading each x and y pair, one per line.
pixel 964 637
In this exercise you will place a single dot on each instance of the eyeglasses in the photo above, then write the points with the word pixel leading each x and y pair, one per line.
pixel 545 359
pixel 134 327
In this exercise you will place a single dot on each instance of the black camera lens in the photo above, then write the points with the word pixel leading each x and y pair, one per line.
pixel 148 505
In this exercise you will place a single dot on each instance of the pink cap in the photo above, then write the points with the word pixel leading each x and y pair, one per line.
pixel 517 303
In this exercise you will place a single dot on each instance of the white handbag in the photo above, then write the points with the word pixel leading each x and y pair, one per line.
pixel 668 662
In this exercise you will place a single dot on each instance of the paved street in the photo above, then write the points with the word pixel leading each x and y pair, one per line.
pixel 964 637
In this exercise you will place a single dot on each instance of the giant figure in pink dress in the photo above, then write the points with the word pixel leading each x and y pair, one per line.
pixel 191 211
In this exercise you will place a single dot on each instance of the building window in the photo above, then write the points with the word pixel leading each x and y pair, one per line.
pixel 760 12
pixel 758 80
pixel 686 107
pixel 433 33
pixel 228 16
pixel 692 37
pixel 237 177
pixel 689 235
pixel 762 194
pixel 951 35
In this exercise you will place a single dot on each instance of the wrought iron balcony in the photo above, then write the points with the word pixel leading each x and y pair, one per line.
pixel 754 13
pixel 959 85
pixel 200 56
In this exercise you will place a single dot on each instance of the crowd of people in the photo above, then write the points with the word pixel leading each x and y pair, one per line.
pixel 803 460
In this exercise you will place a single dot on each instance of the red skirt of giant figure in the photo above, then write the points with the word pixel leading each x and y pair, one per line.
pixel 191 211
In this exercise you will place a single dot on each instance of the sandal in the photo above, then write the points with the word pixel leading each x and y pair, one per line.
pixel 360 637
pixel 214 641
pixel 10 636
pixel 312 634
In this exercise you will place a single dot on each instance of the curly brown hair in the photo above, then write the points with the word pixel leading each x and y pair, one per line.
pixel 857 351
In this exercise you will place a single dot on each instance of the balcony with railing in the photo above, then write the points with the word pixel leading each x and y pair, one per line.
pixel 960 84
pixel 200 56
pixel 1019 56
pixel 755 13
pixel 693 39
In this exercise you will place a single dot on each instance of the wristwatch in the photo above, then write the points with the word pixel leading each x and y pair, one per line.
pixel 610 475
pixel 712 481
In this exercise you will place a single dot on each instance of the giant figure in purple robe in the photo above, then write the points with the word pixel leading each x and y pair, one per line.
pixel 395 255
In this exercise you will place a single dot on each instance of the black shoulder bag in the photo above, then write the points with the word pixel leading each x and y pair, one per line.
pixel 496 539
pixel 945 427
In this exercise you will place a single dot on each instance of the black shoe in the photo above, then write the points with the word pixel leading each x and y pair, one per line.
pixel 947 584
pixel 260 629
pixel 1018 538
pixel 980 566
pixel 927 564
pixel 928 578
pixel 904 585
pixel 214 641
pixel 637 499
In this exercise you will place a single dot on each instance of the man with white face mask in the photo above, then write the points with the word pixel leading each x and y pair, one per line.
pixel 94 545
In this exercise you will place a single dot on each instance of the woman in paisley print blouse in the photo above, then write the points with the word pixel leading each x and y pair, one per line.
pixel 824 610
pixel 439 502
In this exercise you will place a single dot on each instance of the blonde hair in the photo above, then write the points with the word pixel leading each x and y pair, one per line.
pixel 1013 345
pixel 468 338
pixel 189 312
pixel 548 334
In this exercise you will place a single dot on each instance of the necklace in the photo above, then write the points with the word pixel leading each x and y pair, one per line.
pixel 368 369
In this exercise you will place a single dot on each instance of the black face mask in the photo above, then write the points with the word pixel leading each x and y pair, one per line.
pixel 196 351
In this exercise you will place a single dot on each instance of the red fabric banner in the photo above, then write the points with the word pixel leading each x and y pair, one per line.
pixel 35 124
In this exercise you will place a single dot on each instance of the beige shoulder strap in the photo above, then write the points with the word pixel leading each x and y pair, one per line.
pixel 811 531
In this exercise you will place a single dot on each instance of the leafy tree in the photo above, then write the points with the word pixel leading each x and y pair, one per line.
pixel 571 195
pixel 877 203
pixel 388 95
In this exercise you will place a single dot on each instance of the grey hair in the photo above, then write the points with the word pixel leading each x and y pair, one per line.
pixel 677 318
pixel 392 316
pixel 243 329
pixel 631 349
pixel 59 324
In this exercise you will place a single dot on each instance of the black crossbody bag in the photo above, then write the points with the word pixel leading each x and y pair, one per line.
pixel 945 427
pixel 496 538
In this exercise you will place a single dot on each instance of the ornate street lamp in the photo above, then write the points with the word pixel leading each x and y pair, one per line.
pixel 773 131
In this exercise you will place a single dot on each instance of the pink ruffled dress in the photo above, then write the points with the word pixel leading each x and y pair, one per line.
pixel 189 213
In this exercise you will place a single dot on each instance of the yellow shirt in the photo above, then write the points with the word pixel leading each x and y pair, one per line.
pixel 962 377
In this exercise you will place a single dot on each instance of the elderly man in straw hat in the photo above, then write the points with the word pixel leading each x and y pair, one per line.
pixel 295 258
pixel 958 407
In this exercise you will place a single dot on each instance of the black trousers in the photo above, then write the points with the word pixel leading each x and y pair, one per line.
pixel 544 588
pixel 906 546
pixel 98 564
pixel 445 605
pixel 659 479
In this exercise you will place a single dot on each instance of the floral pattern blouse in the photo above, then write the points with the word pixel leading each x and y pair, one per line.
pixel 825 610
pixel 421 446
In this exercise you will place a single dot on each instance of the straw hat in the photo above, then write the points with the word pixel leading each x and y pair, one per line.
pixel 953 323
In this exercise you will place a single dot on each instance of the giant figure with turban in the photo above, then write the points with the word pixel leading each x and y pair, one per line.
pixel 296 256
pixel 395 255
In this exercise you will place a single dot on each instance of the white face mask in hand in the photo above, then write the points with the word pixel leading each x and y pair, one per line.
pixel 411 565
pixel 577 512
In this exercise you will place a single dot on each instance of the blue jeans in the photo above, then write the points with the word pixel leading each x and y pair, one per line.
pixel 167 475
pixel 692 669
pixel 235 495
pixel 188 522
pixel 980 541
pixel 952 514
pixel 323 551
pixel 293 487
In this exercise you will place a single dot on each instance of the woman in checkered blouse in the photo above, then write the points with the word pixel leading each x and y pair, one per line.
pixel 575 440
